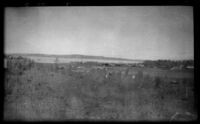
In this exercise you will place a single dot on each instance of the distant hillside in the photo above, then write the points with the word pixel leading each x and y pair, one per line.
pixel 74 56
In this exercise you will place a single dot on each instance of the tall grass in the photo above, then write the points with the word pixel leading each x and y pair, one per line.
pixel 46 92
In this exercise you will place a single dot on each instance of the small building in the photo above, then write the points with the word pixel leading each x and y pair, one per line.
pixel 174 82
pixel 174 68
pixel 190 67
pixel 140 65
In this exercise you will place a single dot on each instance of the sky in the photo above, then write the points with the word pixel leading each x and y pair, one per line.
pixel 133 32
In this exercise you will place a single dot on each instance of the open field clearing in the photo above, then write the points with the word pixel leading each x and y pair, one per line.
pixel 83 91
pixel 100 63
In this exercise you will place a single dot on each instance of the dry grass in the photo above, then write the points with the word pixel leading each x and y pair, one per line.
pixel 44 92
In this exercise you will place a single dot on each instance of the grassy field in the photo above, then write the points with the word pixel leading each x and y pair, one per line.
pixel 74 91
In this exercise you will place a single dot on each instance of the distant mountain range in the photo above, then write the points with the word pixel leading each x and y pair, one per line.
pixel 74 56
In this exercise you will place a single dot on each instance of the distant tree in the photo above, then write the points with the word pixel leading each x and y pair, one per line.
pixel 157 82
pixel 56 63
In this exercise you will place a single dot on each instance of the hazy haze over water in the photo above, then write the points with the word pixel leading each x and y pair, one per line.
pixel 149 32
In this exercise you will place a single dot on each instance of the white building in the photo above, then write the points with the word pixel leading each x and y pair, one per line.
pixel 190 67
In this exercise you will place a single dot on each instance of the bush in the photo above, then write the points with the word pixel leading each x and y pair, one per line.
pixel 139 78
pixel 157 82
pixel 17 65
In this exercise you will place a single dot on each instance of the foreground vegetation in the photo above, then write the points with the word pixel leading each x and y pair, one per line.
pixel 169 64
pixel 91 91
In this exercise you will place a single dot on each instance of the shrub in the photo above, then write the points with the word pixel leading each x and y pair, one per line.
pixel 157 82
pixel 17 65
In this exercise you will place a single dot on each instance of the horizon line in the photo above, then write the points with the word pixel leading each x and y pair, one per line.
pixel 100 56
